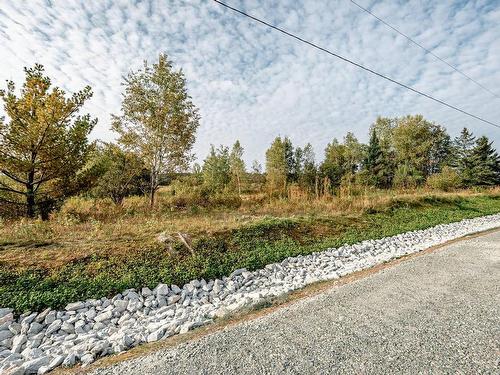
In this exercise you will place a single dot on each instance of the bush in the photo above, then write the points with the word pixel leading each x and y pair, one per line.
pixel 406 177
pixel 446 180
pixel 84 209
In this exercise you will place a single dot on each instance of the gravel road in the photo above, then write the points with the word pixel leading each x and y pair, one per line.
pixel 436 313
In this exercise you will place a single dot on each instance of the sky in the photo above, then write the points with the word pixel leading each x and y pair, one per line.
pixel 252 83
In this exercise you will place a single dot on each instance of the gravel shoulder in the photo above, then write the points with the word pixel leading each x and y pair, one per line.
pixel 434 313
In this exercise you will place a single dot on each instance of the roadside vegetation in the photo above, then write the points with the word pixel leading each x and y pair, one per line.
pixel 82 219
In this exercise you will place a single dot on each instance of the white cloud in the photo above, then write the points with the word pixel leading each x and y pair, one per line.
pixel 252 83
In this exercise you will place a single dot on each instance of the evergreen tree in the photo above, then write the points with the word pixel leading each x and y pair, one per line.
pixel 290 160
pixel 485 163
pixel 298 165
pixel 374 162
pixel 461 158
pixel 43 145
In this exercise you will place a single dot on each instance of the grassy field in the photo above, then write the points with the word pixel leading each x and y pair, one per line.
pixel 48 264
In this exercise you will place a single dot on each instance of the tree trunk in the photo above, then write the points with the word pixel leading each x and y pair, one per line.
pixel 152 194
pixel 30 195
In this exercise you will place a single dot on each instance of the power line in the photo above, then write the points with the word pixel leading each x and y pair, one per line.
pixel 426 50
pixel 353 63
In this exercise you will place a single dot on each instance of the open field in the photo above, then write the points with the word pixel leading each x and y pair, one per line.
pixel 62 260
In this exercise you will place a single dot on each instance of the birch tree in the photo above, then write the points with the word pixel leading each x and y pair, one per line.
pixel 158 120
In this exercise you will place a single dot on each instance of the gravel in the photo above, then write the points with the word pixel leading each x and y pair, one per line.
pixel 87 330
pixel 438 313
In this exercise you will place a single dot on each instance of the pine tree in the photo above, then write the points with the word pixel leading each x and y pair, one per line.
pixel 461 158
pixel 485 163
pixel 374 162
pixel 44 143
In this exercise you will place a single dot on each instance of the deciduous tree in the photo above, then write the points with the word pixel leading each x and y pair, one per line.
pixel 158 120
pixel 237 165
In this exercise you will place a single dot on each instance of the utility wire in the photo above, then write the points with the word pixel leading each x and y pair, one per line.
pixel 426 49
pixel 353 63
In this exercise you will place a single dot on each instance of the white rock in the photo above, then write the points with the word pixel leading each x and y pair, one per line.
pixel 104 316
pixel 18 342
pixel 54 327
pixel 87 359
pixel 5 311
pixel 35 328
pixel 32 366
pixel 28 319
pixel 5 334
pixel 162 289
pixel 156 335
pixel 75 306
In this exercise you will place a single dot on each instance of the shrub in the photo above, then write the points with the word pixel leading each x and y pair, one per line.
pixel 84 209
pixel 446 180
pixel 406 177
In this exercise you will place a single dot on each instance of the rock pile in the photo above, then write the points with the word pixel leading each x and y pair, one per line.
pixel 84 331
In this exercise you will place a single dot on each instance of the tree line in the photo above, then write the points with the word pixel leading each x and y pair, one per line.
pixel 46 155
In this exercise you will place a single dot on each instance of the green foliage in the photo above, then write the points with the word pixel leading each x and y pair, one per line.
pixel 422 145
pixel 461 158
pixel 237 166
pixel 217 169
pixel 43 144
pixel 446 180
pixel 158 121
pixel 485 164
pixel 406 177
pixel 252 246
pixel 308 177
pixel 277 167
pixel 118 173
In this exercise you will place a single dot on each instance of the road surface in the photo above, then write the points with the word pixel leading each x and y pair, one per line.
pixel 435 313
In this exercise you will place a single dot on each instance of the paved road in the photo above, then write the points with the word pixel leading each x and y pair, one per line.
pixel 437 313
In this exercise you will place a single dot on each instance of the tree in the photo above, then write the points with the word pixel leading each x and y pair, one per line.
pixel 237 165
pixel 374 162
pixel 461 158
pixel 121 173
pixel 486 163
pixel 44 143
pixel 413 143
pixel 440 152
pixel 334 165
pixel 277 167
pixel 290 160
pixel 217 169
pixel 384 129
pixel 256 167
pixel 353 153
pixel 308 179
pixel 158 120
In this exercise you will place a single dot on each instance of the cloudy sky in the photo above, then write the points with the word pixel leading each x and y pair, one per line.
pixel 252 83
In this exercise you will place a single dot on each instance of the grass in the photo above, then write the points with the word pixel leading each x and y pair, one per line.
pixel 48 264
